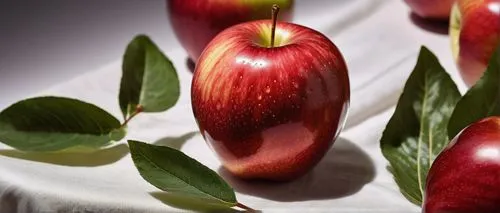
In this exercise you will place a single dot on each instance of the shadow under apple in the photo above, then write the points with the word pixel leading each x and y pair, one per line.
pixel 430 25
pixel 72 157
pixel 343 171
pixel 190 64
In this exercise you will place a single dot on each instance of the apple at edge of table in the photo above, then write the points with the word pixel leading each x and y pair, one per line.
pixel 270 111
pixel 196 22
pixel 431 9
pixel 465 177
pixel 475 34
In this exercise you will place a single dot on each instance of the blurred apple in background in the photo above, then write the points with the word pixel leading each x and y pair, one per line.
pixel 465 177
pixel 475 34
pixel 431 9
pixel 196 22
pixel 270 111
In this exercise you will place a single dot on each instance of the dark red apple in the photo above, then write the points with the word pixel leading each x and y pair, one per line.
pixel 431 9
pixel 465 177
pixel 270 111
pixel 475 34
pixel 196 22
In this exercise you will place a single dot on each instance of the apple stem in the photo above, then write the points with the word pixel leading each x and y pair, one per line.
pixel 138 110
pixel 275 11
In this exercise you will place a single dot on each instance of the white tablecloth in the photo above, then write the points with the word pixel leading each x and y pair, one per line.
pixel 379 42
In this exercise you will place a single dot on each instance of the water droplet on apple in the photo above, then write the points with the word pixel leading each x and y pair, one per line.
pixel 268 89
pixel 295 85
pixel 259 98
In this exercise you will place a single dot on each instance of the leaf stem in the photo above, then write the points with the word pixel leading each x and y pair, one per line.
pixel 248 209
pixel 275 11
pixel 138 110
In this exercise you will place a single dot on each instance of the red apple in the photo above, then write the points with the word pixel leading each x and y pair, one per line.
pixel 475 33
pixel 270 112
pixel 465 177
pixel 431 9
pixel 196 22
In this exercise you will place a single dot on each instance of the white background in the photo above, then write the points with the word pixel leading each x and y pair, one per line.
pixel 46 42
pixel 43 43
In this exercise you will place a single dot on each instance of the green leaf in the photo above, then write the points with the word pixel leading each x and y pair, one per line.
pixel 172 171
pixel 416 132
pixel 55 123
pixel 149 79
pixel 481 101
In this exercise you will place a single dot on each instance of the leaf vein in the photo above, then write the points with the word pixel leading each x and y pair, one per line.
pixel 186 182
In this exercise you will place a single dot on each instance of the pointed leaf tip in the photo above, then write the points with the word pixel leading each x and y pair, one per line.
pixel 172 171
pixel 149 78
pixel 416 132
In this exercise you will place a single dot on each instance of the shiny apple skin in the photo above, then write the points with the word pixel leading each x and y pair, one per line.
pixel 431 9
pixel 475 32
pixel 465 177
pixel 196 22
pixel 270 113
